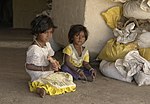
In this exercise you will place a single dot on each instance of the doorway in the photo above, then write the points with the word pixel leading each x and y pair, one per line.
pixel 6 13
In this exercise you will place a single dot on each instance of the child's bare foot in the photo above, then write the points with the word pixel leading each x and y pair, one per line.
pixel 41 92
pixel 88 78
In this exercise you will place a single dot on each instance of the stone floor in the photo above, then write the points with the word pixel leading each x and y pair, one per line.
pixel 14 88
pixel 15 38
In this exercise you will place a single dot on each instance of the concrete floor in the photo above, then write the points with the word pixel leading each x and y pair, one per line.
pixel 14 87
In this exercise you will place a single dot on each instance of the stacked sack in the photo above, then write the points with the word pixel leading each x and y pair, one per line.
pixel 130 35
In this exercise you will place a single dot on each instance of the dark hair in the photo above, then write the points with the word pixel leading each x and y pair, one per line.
pixel 76 29
pixel 40 24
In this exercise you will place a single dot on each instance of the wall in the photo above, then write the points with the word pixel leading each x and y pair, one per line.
pixel 25 10
pixel 86 12
pixel 99 32
pixel 65 13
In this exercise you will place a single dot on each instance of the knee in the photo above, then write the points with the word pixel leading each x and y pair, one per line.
pixel 64 67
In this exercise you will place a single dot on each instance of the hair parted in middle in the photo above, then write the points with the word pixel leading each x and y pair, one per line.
pixel 76 29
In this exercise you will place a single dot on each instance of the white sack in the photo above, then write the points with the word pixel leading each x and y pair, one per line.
pixel 108 69
pixel 142 78
pixel 145 5
pixel 143 40
pixel 132 9
pixel 122 1
pixel 132 64
pixel 126 35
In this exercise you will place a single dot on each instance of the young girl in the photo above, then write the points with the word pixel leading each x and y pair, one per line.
pixel 39 61
pixel 76 56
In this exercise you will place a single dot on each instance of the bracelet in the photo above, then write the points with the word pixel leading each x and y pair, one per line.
pixel 91 69
pixel 78 70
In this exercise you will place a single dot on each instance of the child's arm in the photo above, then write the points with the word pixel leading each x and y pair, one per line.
pixel 72 67
pixel 89 67
pixel 55 64
pixel 37 68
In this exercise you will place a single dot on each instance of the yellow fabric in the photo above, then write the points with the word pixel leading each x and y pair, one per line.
pixel 145 52
pixel 112 16
pixel 86 57
pixel 114 50
pixel 76 61
pixel 54 84
pixel 67 50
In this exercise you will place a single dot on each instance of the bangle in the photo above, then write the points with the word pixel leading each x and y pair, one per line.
pixel 78 70
pixel 91 69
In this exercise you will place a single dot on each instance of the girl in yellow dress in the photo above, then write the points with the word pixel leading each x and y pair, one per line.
pixel 76 56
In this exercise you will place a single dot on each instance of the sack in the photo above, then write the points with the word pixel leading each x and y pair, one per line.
pixel 108 69
pixel 145 53
pixel 112 16
pixel 143 40
pixel 142 78
pixel 132 9
pixel 122 1
pixel 114 50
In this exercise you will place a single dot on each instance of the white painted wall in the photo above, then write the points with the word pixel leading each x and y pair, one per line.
pixel 86 12
pixel 99 32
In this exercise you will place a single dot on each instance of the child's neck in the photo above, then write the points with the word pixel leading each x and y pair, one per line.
pixel 79 49
pixel 77 46
pixel 40 44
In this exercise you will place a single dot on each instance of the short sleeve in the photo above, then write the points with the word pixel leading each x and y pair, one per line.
pixel 33 57
pixel 50 50
pixel 67 50
pixel 86 56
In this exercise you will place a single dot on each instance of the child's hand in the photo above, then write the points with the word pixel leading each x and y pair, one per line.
pixel 82 75
pixel 55 65
pixel 50 59
pixel 93 73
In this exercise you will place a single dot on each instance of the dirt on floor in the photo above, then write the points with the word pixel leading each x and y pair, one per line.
pixel 14 86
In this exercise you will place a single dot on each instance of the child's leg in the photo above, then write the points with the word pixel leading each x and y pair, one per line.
pixel 65 68
pixel 88 74
pixel 41 92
